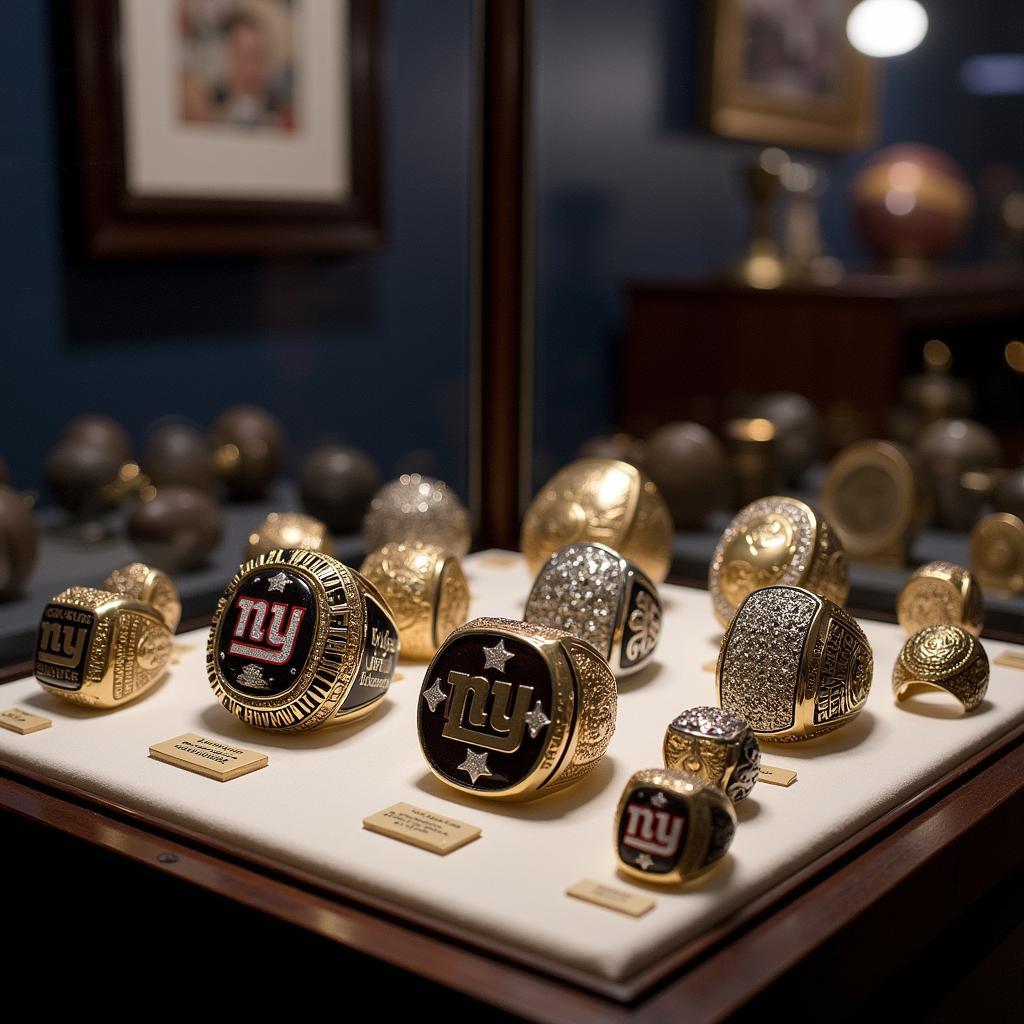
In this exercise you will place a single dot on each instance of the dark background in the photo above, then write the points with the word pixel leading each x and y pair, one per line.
pixel 627 185
pixel 370 350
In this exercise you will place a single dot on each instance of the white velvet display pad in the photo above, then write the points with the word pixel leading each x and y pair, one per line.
pixel 307 806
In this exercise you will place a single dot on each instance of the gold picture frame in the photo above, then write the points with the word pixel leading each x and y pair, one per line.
pixel 783 72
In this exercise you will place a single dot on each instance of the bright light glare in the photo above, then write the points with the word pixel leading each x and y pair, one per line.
pixel 887 28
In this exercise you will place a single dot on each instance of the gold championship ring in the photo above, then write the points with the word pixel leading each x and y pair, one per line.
pixel 299 641
pixel 946 658
pixel 941 593
pixel 281 531
pixel 426 590
pixel 716 746
pixel 593 592
pixel 671 827
pixel 100 649
pixel 604 501
pixel 511 710
pixel 793 665
pixel 776 540
pixel 997 552
pixel 144 583
pixel 876 499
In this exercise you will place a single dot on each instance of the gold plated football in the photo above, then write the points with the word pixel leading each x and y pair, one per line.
pixel 283 530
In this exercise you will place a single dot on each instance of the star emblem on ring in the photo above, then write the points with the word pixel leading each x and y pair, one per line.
pixel 278 582
pixel 496 656
pixel 475 765
pixel 435 695
pixel 536 720
pixel 659 799
pixel 645 862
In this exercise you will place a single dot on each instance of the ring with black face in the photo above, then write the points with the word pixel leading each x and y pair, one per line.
pixel 512 710
pixel 300 641
pixel 671 827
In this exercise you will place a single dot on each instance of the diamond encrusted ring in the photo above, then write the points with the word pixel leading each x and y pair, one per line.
pixel 793 664
pixel 591 591
pixel 716 746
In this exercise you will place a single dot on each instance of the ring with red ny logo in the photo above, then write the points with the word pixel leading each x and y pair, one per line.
pixel 671 827
pixel 299 641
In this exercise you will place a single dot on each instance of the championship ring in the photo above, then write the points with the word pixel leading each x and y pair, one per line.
pixel 716 746
pixel 776 540
pixel 596 594
pixel 793 665
pixel 145 583
pixel 670 827
pixel 512 710
pixel 941 593
pixel 426 590
pixel 603 501
pixel 300 641
pixel 100 649
pixel 942 658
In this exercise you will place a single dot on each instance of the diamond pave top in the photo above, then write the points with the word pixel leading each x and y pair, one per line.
pixel 708 721
pixel 579 590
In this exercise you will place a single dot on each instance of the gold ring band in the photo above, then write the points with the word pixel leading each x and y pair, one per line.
pixel 941 593
pixel 146 583
pixel 942 657
pixel 426 590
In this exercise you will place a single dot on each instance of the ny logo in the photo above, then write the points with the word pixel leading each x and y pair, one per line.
pixel 655 832
pixel 255 639
pixel 492 728
pixel 60 644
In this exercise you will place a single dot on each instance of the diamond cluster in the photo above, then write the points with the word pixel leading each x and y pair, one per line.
pixel 579 590
pixel 708 721
pixel 755 512
pixel 760 663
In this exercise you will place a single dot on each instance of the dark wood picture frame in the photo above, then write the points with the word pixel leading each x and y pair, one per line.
pixel 735 108
pixel 115 223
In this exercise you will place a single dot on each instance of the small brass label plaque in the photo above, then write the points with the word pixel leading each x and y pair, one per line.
pixel 429 831
pixel 1009 659
pixel 212 758
pixel 610 898
pixel 23 722
pixel 775 776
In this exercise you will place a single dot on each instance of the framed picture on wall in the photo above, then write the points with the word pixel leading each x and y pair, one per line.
pixel 783 71
pixel 227 126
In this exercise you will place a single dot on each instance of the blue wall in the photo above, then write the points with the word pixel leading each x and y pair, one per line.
pixel 371 350
pixel 627 184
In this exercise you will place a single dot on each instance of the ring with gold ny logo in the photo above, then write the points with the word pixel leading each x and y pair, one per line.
pixel 512 710
pixel 99 649
pixel 299 641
